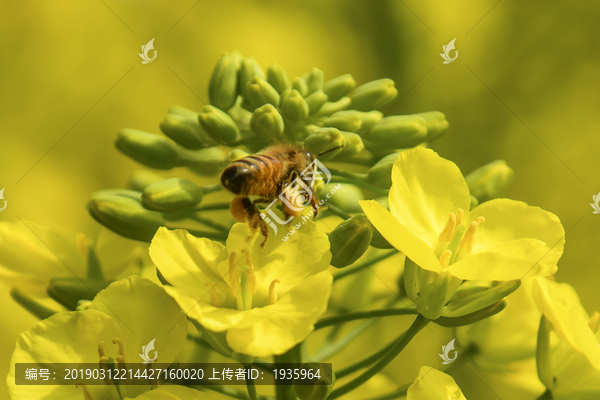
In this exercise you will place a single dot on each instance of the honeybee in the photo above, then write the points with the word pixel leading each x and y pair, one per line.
pixel 268 174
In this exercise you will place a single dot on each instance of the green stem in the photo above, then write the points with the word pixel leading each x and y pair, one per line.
pixel 213 206
pixel 360 266
pixel 211 188
pixel 294 355
pixel 386 312
pixel 329 349
pixel 338 211
pixel 252 393
pixel 355 176
pixel 363 185
pixel 419 323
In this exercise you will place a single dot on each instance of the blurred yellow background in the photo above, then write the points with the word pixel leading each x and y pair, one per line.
pixel 524 88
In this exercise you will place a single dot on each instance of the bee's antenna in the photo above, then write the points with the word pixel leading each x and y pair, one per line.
pixel 329 151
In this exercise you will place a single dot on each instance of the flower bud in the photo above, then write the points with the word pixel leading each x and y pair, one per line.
pixel 299 84
pixel 259 93
pixel 315 101
pixel 462 304
pixel 141 179
pixel 172 195
pixel 314 80
pixel 185 131
pixel 473 317
pixel 380 174
pixel 293 106
pixel 489 181
pixel 349 240
pixel 323 139
pixel 373 95
pixel 321 387
pixel 333 107
pixel 267 123
pixel 277 78
pixel 147 148
pixel 353 145
pixel 406 131
pixel 344 122
pixel 368 119
pixel 67 291
pixel 346 196
pixel 236 154
pixel 249 68
pixel 219 126
pixel 222 89
pixel 205 162
pixel 339 87
pixel 125 216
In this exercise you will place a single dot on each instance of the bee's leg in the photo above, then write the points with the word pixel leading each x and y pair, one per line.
pixel 255 221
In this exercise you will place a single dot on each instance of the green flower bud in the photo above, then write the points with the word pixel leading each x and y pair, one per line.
pixel 222 89
pixel 489 181
pixel 147 148
pixel 184 112
pixel 543 354
pixel 293 106
pixel 347 122
pixel 324 139
pixel 315 101
pixel 367 119
pixel 349 240
pixel 185 131
pixel 353 145
pixel 339 87
pixel 380 174
pixel 333 107
pixel 299 84
pixel 141 179
pixel 249 69
pixel 219 125
pixel 125 216
pixel 205 162
pixel 259 93
pixel 236 154
pixel 277 78
pixel 405 131
pixel 379 242
pixel 320 389
pixel 267 123
pixel 67 291
pixel 346 197
pixel 172 195
pixel 373 95
pixel 314 80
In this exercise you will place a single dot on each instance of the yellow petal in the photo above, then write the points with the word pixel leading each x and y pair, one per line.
pixel 517 259
pixel 507 220
pixel 560 304
pixel 425 188
pixel 400 236
pixel 186 262
pixel 289 321
pixel 432 384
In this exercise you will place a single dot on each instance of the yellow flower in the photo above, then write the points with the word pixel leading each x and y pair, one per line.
pixel 265 301
pixel 432 384
pixel 429 221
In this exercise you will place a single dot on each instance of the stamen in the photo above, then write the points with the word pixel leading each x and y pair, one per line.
pixel 445 258
pixel 234 275
pixel 251 277
pixel 446 234
pixel 121 357
pixel 87 395
pixel 273 292
pixel 460 214
pixel 214 296
pixel 103 361
pixel 469 239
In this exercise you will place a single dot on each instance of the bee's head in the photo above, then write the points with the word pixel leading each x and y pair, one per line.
pixel 234 178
